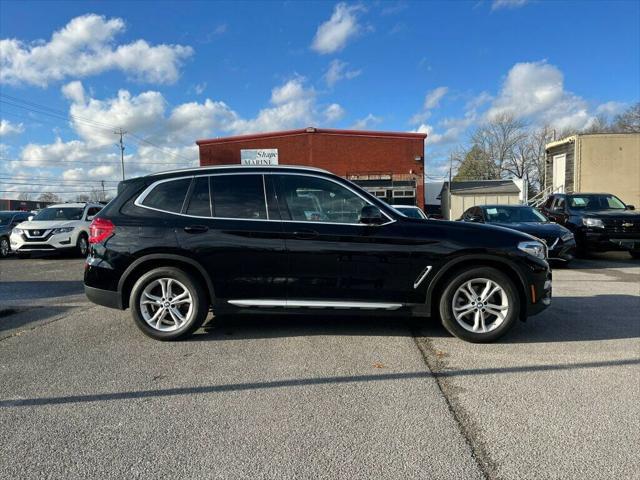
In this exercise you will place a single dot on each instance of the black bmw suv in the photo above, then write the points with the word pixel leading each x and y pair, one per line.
pixel 173 246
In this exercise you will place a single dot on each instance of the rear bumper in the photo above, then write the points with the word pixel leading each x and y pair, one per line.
pixel 106 298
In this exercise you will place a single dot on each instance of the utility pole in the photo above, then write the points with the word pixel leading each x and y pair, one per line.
pixel 450 169
pixel 104 196
pixel 121 133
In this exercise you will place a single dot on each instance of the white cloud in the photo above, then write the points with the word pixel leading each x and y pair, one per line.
pixel 293 106
pixel 334 34
pixel 431 100
pixel 536 91
pixel 500 4
pixel 611 108
pixel 338 71
pixel 333 113
pixel 86 46
pixel 74 91
pixel 8 128
pixel 367 122
pixel 103 171
pixel 73 174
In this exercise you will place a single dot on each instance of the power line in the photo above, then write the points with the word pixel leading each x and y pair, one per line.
pixel 47 191
pixel 29 177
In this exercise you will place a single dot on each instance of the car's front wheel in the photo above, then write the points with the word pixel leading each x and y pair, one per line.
pixel 168 303
pixel 479 305
pixel 4 247
pixel 82 245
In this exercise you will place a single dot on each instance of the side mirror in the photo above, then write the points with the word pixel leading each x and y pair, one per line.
pixel 476 219
pixel 630 207
pixel 370 215
pixel 89 218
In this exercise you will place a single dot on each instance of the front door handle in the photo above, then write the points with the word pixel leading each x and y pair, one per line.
pixel 306 234
pixel 196 229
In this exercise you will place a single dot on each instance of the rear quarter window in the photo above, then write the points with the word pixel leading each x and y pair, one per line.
pixel 168 196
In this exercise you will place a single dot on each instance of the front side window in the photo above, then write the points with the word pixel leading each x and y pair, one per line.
pixel 312 199
pixel 168 196
pixel 238 196
pixel 595 202
pixel 64 213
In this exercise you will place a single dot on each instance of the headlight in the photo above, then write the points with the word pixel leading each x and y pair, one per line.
pixel 535 249
pixel 567 236
pixel 17 231
pixel 592 222
pixel 62 230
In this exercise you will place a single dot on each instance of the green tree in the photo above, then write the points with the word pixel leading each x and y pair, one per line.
pixel 475 165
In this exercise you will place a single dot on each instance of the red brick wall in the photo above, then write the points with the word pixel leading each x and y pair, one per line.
pixel 340 153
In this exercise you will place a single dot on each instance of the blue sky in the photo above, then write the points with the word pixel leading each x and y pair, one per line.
pixel 172 72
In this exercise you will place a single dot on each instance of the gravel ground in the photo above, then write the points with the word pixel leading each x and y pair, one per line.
pixel 84 394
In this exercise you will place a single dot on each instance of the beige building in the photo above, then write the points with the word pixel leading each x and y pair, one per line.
pixel 602 162
pixel 465 195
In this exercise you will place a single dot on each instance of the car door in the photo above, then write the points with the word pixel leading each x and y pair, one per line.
pixel 229 227
pixel 333 257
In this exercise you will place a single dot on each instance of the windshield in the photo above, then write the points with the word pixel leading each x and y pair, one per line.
pixel 513 215
pixel 411 212
pixel 595 202
pixel 5 218
pixel 65 213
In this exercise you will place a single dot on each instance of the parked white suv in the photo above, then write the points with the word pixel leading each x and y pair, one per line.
pixel 57 227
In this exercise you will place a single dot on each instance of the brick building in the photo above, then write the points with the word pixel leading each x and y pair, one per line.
pixel 388 164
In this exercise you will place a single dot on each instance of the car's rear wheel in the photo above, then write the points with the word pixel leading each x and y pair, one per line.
pixel 4 247
pixel 479 304
pixel 168 303
pixel 82 245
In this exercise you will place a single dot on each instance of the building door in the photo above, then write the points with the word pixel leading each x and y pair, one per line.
pixel 559 170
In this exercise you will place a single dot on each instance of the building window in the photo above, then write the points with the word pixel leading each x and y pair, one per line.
pixel 404 193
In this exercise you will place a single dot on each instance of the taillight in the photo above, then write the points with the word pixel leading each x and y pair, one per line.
pixel 100 229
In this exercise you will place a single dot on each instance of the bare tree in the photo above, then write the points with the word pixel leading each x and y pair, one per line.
pixel 48 197
pixel 498 138
pixel 83 197
pixel 97 195
pixel 25 196
pixel 628 121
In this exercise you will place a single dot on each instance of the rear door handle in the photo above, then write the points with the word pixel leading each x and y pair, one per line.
pixel 306 234
pixel 196 229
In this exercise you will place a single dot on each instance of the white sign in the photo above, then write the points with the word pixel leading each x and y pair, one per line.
pixel 264 156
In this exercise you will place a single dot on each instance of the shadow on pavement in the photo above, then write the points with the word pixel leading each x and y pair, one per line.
pixel 39 289
pixel 15 318
pixel 300 382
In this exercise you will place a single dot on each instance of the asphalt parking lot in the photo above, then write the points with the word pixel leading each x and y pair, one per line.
pixel 84 394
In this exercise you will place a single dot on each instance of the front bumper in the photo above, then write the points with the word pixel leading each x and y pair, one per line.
pixel 563 252
pixel 606 242
pixel 60 241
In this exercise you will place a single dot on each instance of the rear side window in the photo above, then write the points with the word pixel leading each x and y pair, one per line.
pixel 238 196
pixel 199 203
pixel 168 196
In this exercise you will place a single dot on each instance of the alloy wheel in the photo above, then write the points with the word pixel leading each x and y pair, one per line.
pixel 480 305
pixel 166 304
pixel 4 247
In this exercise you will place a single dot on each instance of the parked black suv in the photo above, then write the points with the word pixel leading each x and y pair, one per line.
pixel 560 242
pixel 601 222
pixel 172 246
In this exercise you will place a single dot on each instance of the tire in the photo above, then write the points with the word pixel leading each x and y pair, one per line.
pixel 82 245
pixel 635 254
pixel 469 325
pixel 5 247
pixel 169 325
